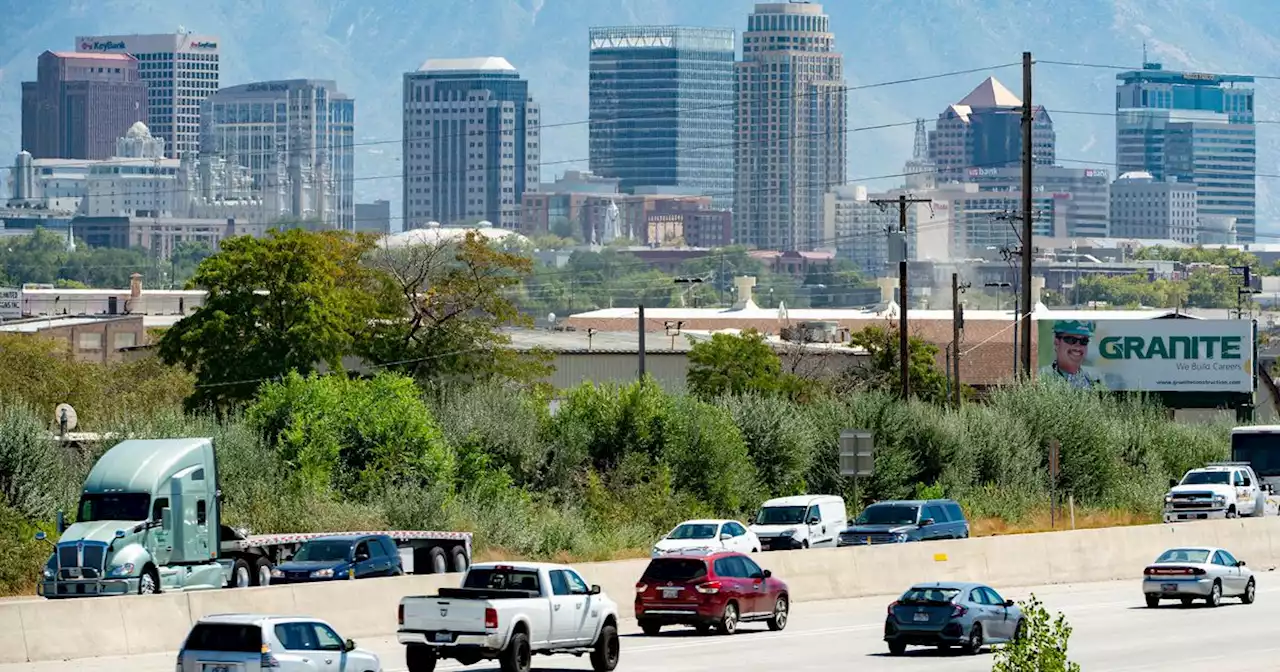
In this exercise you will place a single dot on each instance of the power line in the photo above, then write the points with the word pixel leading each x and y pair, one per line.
pixel 1112 66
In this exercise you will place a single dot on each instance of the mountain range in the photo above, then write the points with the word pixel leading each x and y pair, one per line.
pixel 366 46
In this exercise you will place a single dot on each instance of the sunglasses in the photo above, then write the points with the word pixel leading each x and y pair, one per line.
pixel 1075 340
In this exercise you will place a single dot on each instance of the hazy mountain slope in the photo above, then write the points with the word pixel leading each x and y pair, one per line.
pixel 367 44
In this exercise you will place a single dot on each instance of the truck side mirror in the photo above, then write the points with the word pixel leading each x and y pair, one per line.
pixel 595 590
pixel 166 518
pixel 349 646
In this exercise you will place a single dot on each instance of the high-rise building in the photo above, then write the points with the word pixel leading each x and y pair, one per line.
pixel 1143 208
pixel 1066 202
pixel 984 130
pixel 470 142
pixel 791 123
pixel 80 104
pixel 296 137
pixel 661 108
pixel 181 70
pixel 1211 120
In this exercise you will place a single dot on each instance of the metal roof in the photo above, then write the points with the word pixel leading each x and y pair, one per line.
pixel 483 63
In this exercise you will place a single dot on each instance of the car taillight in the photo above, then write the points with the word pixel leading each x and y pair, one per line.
pixel 1173 571
pixel 708 588
pixel 400 615
pixel 959 610
pixel 268 660
pixel 640 587
pixel 491 619
pixel 891 606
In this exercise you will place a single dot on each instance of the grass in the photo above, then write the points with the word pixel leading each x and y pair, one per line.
pixel 1039 521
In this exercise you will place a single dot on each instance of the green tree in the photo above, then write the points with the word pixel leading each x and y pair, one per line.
pixel 733 364
pixel 450 303
pixel 289 301
pixel 882 372
pixel 564 228
pixel 1041 646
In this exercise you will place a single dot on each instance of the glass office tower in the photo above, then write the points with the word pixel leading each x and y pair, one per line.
pixel 661 108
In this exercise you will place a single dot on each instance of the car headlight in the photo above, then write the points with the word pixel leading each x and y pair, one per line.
pixel 1168 498
pixel 322 574
pixel 901 536
pixel 121 570
pixel 276 574
pixel 48 573
pixel 1219 499
pixel 789 532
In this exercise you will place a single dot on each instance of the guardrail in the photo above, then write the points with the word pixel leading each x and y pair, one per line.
pixel 32 631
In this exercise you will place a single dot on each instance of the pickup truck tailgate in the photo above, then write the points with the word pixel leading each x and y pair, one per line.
pixel 441 614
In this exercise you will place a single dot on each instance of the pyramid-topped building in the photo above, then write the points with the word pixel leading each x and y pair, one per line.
pixel 983 131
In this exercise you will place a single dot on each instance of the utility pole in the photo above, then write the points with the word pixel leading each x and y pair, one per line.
pixel 957 325
pixel 1024 321
pixel 904 342
pixel 640 325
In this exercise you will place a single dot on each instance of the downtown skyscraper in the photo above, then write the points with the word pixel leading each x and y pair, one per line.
pixel 661 108
pixel 791 123
pixel 1193 127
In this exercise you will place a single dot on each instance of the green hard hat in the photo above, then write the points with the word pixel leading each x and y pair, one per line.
pixel 1073 327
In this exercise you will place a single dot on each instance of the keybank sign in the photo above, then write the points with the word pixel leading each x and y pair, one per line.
pixel 102 46
pixel 1171 347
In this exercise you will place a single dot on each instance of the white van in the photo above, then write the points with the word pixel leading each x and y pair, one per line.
pixel 802 521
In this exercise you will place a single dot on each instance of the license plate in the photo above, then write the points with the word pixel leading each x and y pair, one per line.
pixel 443 637
pixel 670 593
pixel 217 668
pixel 1169 587
pixel 922 618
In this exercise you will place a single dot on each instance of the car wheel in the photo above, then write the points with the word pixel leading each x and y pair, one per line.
pixel 897 648
pixel 1018 632
pixel 604 657
pixel 1215 595
pixel 974 645
pixel 149 583
pixel 460 563
pixel 262 572
pixel 755 550
pixel 650 629
pixel 1153 601
pixel 1231 512
pixel 420 658
pixel 780 612
pixel 1250 592
pixel 729 621
pixel 517 657
pixel 439 562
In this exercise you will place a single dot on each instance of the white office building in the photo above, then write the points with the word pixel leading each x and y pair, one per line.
pixel 296 137
pixel 1143 208
pixel 181 70
pixel 471 145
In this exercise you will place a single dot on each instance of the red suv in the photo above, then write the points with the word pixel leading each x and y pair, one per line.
pixel 716 590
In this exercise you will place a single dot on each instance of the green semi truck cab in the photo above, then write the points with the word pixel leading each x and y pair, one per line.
pixel 149 521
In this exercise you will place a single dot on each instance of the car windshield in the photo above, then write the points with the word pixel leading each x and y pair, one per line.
pixel 675 569
pixel 694 531
pixel 888 514
pixel 115 506
pixel 780 515
pixel 1206 478
pixel 323 551
pixel 929 596
pixel 1196 556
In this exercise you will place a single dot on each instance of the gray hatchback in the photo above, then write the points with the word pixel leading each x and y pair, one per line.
pixel 970 615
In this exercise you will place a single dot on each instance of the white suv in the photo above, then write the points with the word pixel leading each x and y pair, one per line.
pixel 1219 490
pixel 250 642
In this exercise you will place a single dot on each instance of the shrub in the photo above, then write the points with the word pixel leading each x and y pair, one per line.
pixel 1042 646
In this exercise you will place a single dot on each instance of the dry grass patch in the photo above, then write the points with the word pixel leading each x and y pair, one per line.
pixel 1040 522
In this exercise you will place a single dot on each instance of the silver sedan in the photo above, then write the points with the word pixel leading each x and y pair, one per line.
pixel 1193 573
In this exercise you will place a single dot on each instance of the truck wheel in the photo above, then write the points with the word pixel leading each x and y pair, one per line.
pixel 1231 511
pixel 459 559
pixel 241 577
pixel 262 572
pixel 604 657
pixel 420 658
pixel 439 563
pixel 517 657
pixel 149 583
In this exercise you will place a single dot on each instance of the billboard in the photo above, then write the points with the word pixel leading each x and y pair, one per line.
pixel 10 303
pixel 1152 355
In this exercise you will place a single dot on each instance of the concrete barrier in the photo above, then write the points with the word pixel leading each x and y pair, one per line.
pixel 32 631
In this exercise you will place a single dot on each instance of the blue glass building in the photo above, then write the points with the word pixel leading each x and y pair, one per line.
pixel 1192 127
pixel 662 108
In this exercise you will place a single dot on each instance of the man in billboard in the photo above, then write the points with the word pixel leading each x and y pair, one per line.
pixel 1070 346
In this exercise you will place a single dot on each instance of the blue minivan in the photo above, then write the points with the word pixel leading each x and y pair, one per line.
pixel 907 520
pixel 345 556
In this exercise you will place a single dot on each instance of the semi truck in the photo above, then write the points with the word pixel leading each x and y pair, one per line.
pixel 149 520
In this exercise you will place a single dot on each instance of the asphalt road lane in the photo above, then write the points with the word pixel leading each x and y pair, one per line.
pixel 1113 631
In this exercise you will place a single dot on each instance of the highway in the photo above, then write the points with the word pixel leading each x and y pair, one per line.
pixel 1113 631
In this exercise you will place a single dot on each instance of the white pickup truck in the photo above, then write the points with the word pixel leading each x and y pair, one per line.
pixel 510 611
pixel 1220 490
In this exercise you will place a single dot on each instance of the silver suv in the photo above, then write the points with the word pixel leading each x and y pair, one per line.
pixel 257 643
